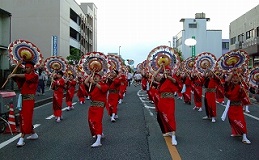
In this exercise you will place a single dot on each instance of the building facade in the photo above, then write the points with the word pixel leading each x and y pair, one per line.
pixel 206 40
pixel 225 46
pixel 54 26
pixel 244 34
pixel 5 39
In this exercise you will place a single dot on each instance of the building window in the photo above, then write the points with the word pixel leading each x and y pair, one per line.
pixel 241 38
pixel 233 40
pixel 73 16
pixel 249 34
pixel 225 45
pixel 192 25
pixel 256 61
pixel 257 32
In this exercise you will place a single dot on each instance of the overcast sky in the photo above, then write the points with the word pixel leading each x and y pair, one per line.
pixel 138 26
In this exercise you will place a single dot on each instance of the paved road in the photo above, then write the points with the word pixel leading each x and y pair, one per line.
pixel 203 140
pixel 135 136
pixel 127 139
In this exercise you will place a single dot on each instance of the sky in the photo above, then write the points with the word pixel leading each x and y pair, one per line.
pixel 139 26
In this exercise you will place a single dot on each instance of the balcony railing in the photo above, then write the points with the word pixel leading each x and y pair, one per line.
pixel 250 42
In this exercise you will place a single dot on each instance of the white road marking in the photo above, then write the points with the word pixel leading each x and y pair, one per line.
pixel 52 116
pixel 249 115
pixel 144 96
pixel 254 117
pixel 5 143
pixel 148 108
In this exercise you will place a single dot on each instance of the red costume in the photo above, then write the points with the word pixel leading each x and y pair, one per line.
pixel 96 109
pixel 153 93
pixel 144 81
pixel 220 91
pixel 187 93
pixel 113 95
pixel 179 84
pixel 81 93
pixel 197 91
pixel 246 99
pixel 70 86
pixel 58 86
pixel 235 113
pixel 210 96
pixel 123 86
pixel 28 88
pixel 166 106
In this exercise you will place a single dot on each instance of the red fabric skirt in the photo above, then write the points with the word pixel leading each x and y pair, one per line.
pixel 198 96
pixel 26 116
pixel 69 96
pixel 112 104
pixel 166 114
pixel 237 120
pixel 57 104
pixel 210 104
pixel 95 117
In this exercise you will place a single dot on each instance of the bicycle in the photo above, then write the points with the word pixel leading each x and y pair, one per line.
pixel 4 122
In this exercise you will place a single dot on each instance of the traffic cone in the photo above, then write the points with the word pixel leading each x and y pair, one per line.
pixel 11 121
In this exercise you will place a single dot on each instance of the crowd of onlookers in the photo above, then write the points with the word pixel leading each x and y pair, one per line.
pixel 134 78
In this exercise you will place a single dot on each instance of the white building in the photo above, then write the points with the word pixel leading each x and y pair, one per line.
pixel 206 40
pixel 54 26
pixel 244 34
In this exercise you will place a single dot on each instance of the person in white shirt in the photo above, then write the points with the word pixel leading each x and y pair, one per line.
pixel 41 84
pixel 137 78
pixel 129 78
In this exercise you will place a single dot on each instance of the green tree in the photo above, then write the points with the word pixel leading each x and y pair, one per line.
pixel 74 56
pixel 179 53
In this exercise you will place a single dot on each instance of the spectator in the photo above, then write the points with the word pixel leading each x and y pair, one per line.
pixel 129 78
pixel 41 84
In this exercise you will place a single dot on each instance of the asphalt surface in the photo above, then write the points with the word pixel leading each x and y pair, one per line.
pixel 134 136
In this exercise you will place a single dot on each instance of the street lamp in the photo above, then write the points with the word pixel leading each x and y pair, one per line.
pixel 169 43
pixel 119 51
pixel 191 42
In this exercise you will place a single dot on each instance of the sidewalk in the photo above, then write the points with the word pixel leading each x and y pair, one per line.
pixel 39 99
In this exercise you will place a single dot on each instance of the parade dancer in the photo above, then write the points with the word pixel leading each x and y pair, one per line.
pixel 144 80
pixel 179 81
pixel 152 89
pixel 81 93
pixel 98 93
pixel 123 86
pixel 113 95
pixel 198 81
pixel 70 87
pixel 220 89
pixel 211 82
pixel 28 83
pixel 58 86
pixel 166 103
pixel 187 93
pixel 235 93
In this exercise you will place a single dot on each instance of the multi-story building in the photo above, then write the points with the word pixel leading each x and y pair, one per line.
pixel 206 40
pixel 5 39
pixel 244 34
pixel 54 26
pixel 225 46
